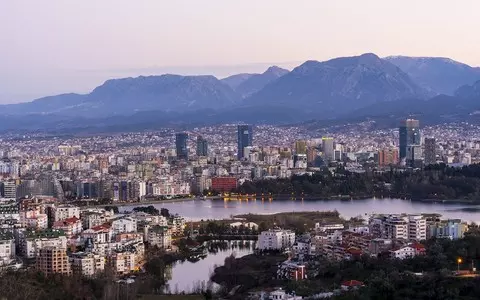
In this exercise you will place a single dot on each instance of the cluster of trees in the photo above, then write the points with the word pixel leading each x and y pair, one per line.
pixel 153 211
pixel 433 182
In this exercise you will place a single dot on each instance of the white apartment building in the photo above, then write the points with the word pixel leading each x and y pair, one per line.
pixel 403 253
pixel 87 264
pixel 417 228
pixel 396 227
pixel 33 241
pixel 124 225
pixel 63 212
pixel 160 236
pixel 276 239
pixel 7 248
pixel 406 227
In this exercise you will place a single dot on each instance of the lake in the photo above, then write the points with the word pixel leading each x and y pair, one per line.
pixel 186 276
pixel 220 209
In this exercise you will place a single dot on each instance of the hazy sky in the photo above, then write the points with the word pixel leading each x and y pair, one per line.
pixel 54 46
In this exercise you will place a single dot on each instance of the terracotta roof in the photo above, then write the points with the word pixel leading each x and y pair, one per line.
pixel 352 283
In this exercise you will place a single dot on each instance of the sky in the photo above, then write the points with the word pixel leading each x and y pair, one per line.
pixel 56 46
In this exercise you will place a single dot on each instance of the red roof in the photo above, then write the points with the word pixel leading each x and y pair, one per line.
pixel 105 226
pixel 418 246
pixel 352 283
pixel 66 222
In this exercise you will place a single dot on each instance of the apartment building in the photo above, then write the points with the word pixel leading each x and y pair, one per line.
pixel 70 226
pixel 87 264
pixel 7 248
pixel 124 225
pixel 276 239
pixel 63 212
pixel 33 241
pixel 52 260
pixel 159 236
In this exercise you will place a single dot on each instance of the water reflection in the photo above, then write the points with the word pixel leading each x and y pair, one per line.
pixel 193 276
pixel 219 209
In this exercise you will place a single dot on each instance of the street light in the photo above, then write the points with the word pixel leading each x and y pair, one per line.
pixel 459 261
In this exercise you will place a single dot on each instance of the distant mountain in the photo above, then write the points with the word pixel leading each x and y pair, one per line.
pixel 469 91
pixel 235 80
pixel 339 85
pixel 248 84
pixel 129 95
pixel 464 106
pixel 436 74
pixel 257 82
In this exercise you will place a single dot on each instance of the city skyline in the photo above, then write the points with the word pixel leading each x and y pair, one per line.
pixel 158 37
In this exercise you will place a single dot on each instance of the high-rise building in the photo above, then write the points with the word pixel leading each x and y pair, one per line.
pixel 328 149
pixel 409 134
pixel 181 145
pixel 245 139
pixel 301 147
pixel 387 157
pixel 202 146
pixel 430 151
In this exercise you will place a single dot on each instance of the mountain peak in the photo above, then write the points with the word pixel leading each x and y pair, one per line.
pixel 440 75
pixel 275 70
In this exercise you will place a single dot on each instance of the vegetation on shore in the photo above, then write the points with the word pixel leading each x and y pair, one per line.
pixel 384 278
pixel 436 182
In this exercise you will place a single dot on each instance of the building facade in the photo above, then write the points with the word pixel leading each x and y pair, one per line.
pixel 244 139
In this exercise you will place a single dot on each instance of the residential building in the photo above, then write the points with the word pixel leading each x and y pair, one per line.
pixel 417 228
pixel 53 260
pixel 124 225
pixel 160 236
pixel 63 212
pixel 291 270
pixel 70 226
pixel 451 229
pixel 388 157
pixel 276 239
pixel 7 248
pixel 124 262
pixel 87 264
pixel 32 241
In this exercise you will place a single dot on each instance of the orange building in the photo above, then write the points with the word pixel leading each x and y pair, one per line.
pixel 51 260
pixel 388 157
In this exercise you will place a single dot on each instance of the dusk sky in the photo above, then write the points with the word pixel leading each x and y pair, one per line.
pixel 55 46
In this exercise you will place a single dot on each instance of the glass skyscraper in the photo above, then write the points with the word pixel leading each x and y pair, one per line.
pixel 245 138
pixel 202 146
pixel 410 143
pixel 181 145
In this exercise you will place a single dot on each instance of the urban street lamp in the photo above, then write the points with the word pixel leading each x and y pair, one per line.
pixel 459 261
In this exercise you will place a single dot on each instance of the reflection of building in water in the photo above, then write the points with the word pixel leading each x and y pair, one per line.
pixel 168 272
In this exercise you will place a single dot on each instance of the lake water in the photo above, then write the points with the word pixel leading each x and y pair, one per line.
pixel 186 276
pixel 220 209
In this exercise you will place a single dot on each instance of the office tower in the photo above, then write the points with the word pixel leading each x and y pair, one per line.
pixel 387 157
pixel 328 149
pixel 409 134
pixel 181 145
pixel 311 155
pixel 301 147
pixel 430 151
pixel 414 156
pixel 202 146
pixel 245 139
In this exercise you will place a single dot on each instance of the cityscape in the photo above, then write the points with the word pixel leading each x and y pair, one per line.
pixel 66 201
pixel 239 150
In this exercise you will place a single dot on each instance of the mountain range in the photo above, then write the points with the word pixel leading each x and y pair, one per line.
pixel 343 88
